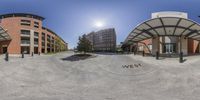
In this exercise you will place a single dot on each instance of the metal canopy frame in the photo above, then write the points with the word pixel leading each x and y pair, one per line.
pixel 165 26
pixel 4 35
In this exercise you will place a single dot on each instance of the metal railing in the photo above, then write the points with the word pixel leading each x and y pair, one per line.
pixel 25 42
pixel 27 34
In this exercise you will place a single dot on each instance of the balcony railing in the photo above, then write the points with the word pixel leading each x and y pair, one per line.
pixel 25 42
pixel 25 34
pixel 35 43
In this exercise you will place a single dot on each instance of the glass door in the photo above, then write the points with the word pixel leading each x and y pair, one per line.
pixel 169 48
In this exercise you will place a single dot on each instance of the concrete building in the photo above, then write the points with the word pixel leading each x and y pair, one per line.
pixel 103 40
pixel 168 33
pixel 27 34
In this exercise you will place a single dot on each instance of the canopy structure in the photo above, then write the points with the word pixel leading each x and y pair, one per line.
pixel 4 35
pixel 164 26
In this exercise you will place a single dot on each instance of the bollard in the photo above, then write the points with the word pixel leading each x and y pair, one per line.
pixel 157 55
pixel 22 54
pixel 181 57
pixel 6 56
pixel 143 53
pixel 32 54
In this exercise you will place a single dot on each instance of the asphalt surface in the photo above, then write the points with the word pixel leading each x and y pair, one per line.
pixel 102 77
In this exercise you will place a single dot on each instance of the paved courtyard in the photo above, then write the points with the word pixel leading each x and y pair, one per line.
pixel 103 77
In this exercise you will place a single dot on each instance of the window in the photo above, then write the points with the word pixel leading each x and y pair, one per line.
pixel 26 22
pixel 43 36
pixel 25 32
pixel 36 24
pixel 36 41
pixel 36 34
pixel 48 38
pixel 25 40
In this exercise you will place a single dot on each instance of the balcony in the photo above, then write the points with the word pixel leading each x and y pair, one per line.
pixel 25 34
pixel 25 43
pixel 36 44
pixel 36 34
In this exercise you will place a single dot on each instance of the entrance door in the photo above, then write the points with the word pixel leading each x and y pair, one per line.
pixel 4 49
pixel 169 48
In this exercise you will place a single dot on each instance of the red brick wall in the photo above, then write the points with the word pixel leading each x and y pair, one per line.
pixel 193 46
pixel 145 44
pixel 196 46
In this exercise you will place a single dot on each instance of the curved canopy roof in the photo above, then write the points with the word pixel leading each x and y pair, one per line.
pixel 165 26
pixel 4 35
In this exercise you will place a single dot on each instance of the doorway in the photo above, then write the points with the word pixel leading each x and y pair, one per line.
pixel 4 49
pixel 169 48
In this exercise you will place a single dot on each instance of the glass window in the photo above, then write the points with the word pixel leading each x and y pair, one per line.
pixel 26 22
pixel 36 34
pixel 25 32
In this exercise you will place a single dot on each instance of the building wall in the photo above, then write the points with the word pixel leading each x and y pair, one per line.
pixel 184 45
pixel 189 46
pixel 193 46
pixel 155 45
pixel 14 27
pixel 169 14
pixel 145 46
pixel 103 40
pixel 90 37
pixel 196 46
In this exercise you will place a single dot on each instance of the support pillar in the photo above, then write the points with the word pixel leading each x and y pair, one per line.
pixel 135 49
pixel 155 45
pixel 184 46
pixel 31 41
pixel 157 55
pixel 45 47
pixel 181 53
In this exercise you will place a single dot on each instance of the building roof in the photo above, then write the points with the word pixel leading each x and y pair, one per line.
pixel 165 26
pixel 21 15
pixel 4 35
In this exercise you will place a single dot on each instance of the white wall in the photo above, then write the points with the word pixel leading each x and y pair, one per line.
pixel 169 14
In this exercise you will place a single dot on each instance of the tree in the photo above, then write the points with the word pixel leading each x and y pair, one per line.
pixel 84 45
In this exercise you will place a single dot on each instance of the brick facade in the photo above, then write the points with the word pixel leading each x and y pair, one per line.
pixel 13 26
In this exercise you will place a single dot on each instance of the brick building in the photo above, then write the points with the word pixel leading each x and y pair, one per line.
pixel 27 34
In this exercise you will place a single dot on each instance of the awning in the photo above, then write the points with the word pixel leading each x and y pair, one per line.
pixel 165 26
pixel 4 35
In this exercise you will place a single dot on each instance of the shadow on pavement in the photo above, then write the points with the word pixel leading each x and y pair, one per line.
pixel 109 53
pixel 184 60
pixel 78 57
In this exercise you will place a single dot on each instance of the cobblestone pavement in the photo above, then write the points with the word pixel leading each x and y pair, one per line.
pixel 103 77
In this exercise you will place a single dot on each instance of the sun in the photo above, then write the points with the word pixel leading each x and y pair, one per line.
pixel 99 24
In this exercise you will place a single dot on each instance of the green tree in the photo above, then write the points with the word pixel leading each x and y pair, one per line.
pixel 84 45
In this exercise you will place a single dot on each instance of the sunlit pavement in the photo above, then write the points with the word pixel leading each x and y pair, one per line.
pixel 103 77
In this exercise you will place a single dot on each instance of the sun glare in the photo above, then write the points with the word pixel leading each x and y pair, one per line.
pixel 99 24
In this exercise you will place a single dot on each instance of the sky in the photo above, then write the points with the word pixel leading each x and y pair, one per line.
pixel 73 18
